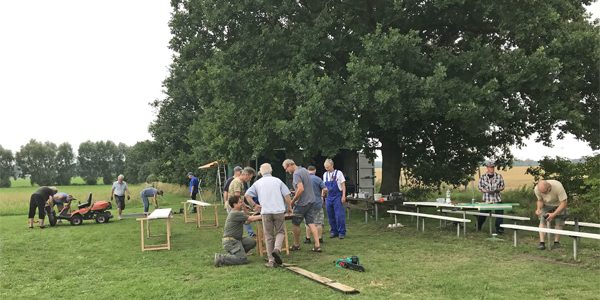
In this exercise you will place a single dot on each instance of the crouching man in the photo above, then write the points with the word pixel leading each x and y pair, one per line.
pixel 234 244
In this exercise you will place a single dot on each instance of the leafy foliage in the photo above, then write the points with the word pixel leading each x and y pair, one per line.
pixel 437 86
pixel 6 166
pixel 580 180
pixel 65 164
pixel 140 162
pixel 39 161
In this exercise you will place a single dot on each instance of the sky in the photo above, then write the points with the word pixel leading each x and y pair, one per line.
pixel 72 71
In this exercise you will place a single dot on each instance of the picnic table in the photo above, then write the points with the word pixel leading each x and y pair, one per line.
pixel 157 214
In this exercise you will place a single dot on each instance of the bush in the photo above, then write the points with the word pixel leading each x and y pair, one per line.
pixel 580 180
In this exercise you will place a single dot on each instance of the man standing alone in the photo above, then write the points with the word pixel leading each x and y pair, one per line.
pixel 119 188
pixel 194 182
pixel 491 184
pixel 336 198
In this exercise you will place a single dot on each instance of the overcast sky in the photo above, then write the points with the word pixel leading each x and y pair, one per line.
pixel 73 70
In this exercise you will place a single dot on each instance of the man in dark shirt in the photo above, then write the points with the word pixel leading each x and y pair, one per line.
pixel 38 200
pixel 234 243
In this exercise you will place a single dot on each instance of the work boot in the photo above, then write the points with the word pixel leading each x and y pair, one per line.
pixel 541 246
pixel 218 262
pixel 556 245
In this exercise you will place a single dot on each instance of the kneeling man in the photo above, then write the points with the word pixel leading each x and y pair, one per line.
pixel 234 243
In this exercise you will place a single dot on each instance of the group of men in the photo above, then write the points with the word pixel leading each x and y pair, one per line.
pixel 551 202
pixel 273 199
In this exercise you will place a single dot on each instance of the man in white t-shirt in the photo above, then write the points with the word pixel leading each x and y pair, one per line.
pixel 119 188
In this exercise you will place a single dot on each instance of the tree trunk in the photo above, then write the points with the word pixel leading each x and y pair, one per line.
pixel 391 166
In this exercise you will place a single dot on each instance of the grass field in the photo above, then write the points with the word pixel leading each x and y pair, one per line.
pixel 514 178
pixel 104 261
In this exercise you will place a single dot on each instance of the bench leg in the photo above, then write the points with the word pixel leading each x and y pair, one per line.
pixel 575 248
pixel 457 229
pixel 417 219
pixel 395 216
pixel 423 224
pixel 514 237
pixel 366 216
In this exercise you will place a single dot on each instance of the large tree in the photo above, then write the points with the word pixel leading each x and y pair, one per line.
pixel 6 166
pixel 38 160
pixel 65 164
pixel 436 85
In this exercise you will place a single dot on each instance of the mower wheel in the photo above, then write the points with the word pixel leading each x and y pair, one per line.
pixel 101 218
pixel 107 217
pixel 76 219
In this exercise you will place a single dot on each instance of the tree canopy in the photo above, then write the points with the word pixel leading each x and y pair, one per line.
pixel 437 86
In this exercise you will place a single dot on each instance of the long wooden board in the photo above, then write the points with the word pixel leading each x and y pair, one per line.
pixel 323 280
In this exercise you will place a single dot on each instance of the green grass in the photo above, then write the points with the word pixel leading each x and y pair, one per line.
pixel 104 261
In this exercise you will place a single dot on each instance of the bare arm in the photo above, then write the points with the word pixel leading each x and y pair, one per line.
pixel 344 192
pixel 561 207
pixel 288 200
pixel 539 204
pixel 254 218
pixel 299 191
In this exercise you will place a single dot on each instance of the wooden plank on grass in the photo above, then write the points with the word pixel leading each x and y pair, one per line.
pixel 323 280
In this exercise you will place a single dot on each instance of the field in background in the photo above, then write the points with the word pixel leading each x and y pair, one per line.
pixel 514 177
pixel 15 200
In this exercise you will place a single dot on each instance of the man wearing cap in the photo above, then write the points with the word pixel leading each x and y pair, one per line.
pixel 194 182
pixel 237 171
pixel 238 188
pixel 551 205
pixel 491 184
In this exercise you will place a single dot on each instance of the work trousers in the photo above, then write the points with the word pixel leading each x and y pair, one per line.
pixel 236 251
pixel 273 232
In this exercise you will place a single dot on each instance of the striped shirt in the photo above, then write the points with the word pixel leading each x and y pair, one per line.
pixel 493 185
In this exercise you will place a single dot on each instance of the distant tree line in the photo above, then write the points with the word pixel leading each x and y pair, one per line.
pixel 45 163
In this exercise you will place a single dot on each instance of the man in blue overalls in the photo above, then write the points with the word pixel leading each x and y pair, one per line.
pixel 336 198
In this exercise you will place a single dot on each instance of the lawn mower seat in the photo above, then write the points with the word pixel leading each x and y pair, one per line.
pixel 86 204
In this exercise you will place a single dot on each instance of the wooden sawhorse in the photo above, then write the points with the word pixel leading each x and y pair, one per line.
pixel 200 206
pixel 261 246
pixel 161 213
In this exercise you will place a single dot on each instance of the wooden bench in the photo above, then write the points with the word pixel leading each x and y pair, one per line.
pixel 572 234
pixel 160 213
pixel 423 216
pixel 583 224
pixel 200 206
pixel 474 213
